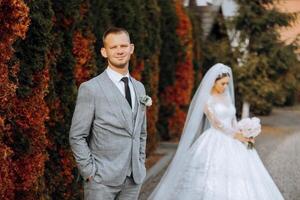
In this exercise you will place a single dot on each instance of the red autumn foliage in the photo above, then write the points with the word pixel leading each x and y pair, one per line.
pixel 14 21
pixel 83 51
pixel 138 69
pixel 7 92
pixel 67 163
pixel 6 174
pixel 179 94
pixel 31 113
pixel 176 123
pixel 28 170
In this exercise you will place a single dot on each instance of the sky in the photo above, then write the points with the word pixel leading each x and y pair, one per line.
pixel 289 34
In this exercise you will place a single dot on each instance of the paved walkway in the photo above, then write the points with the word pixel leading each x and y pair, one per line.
pixel 278 147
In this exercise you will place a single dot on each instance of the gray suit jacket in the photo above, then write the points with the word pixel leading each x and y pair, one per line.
pixel 103 135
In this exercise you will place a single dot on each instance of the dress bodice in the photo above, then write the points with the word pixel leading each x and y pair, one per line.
pixel 221 113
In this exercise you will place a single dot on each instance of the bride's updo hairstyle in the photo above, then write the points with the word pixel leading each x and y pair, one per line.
pixel 220 76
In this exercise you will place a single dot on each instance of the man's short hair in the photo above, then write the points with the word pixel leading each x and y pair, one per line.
pixel 114 30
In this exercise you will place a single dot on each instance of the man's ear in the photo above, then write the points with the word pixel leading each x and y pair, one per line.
pixel 103 52
pixel 132 48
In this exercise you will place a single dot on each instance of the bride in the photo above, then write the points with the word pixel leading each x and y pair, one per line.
pixel 211 162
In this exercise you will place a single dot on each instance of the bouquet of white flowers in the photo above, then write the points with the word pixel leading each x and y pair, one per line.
pixel 250 128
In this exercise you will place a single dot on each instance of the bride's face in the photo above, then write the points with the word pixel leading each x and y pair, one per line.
pixel 221 85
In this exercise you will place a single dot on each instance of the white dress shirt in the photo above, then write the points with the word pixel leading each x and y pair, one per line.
pixel 116 79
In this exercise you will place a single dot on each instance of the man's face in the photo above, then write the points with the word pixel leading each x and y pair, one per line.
pixel 117 49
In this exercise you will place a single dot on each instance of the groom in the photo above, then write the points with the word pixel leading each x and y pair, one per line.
pixel 108 131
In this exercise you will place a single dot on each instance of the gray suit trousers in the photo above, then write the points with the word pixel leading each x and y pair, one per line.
pixel 97 191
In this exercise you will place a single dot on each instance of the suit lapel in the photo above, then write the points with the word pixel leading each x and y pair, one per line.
pixel 137 97
pixel 117 102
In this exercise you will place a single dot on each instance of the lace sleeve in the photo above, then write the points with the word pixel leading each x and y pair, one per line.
pixel 228 129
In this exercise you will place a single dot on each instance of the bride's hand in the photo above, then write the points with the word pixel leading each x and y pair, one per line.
pixel 239 136
pixel 252 140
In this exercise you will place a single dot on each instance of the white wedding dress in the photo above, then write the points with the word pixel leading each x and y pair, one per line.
pixel 209 164
pixel 221 167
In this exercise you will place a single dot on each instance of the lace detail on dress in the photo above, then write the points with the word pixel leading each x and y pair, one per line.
pixel 221 114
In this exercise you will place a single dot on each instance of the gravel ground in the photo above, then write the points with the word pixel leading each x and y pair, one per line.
pixel 278 147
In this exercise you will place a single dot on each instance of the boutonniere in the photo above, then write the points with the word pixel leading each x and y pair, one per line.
pixel 146 100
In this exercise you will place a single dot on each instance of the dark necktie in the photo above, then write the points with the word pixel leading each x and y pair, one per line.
pixel 127 90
